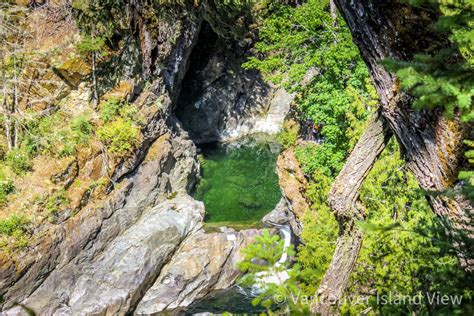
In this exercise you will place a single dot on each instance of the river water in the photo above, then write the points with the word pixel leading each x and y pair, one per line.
pixel 239 182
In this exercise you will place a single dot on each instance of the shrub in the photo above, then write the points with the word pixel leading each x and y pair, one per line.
pixel 109 109
pixel 19 160
pixel 113 107
pixel 81 129
pixel 56 202
pixel 50 135
pixel 120 136
pixel 13 232
pixel 15 224
pixel 288 136
pixel 6 187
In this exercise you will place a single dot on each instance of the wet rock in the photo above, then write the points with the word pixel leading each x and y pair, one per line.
pixel 272 121
pixel 282 215
pixel 221 101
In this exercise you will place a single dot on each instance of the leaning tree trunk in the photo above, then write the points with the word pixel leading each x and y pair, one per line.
pixel 343 199
pixel 431 144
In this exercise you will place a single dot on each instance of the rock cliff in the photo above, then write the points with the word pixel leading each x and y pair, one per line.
pixel 138 247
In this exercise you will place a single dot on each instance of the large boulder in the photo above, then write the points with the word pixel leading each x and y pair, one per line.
pixel 203 263
pixel 113 281
pixel 73 71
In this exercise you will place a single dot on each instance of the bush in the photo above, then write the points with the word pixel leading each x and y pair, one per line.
pixel 120 136
pixel 56 202
pixel 50 135
pixel 288 136
pixel 113 107
pixel 19 160
pixel 15 224
pixel 13 232
pixel 81 129
pixel 6 187
pixel 109 109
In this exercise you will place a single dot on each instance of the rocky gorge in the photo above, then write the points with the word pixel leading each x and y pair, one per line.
pixel 141 248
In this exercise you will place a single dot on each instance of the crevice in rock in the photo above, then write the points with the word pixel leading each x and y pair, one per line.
pixel 217 96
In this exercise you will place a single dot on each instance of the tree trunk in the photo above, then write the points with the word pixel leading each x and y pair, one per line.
pixel 430 144
pixel 333 11
pixel 94 81
pixel 5 107
pixel 343 199
pixel 14 110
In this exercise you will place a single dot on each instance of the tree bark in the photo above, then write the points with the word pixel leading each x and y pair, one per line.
pixel 343 200
pixel 333 11
pixel 14 111
pixel 430 143
pixel 5 110
pixel 94 81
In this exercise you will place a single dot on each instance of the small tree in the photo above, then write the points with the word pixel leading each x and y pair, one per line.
pixel 262 266
pixel 93 48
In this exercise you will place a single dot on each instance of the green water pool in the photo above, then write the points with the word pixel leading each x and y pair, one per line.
pixel 238 182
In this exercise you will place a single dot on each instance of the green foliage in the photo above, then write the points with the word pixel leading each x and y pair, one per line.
pixel 120 136
pixel 6 187
pixel 89 44
pixel 56 202
pixel 13 224
pixel 266 248
pixel 109 109
pixel 114 107
pixel 288 136
pixel 319 235
pixel 338 99
pixel 405 249
pixel 19 160
pixel 13 232
pixel 100 19
pixel 81 129
pixel 261 259
pixel 57 135
pixel 120 131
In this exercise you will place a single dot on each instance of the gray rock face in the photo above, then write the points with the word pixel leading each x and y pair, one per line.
pixel 112 282
pixel 282 215
pixel 120 248
pixel 221 101
pixel 165 164
pixel 203 263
